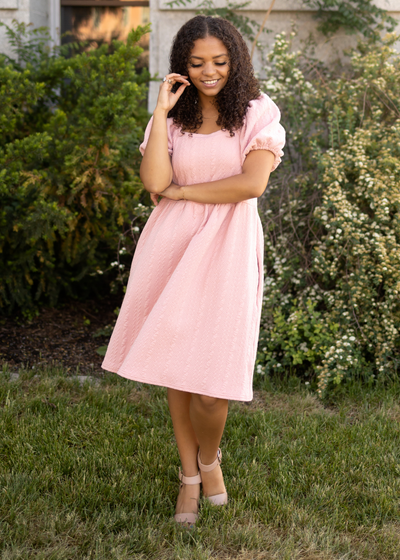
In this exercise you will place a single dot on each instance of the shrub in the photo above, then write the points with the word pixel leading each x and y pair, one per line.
pixel 69 186
pixel 332 218
pixel 352 16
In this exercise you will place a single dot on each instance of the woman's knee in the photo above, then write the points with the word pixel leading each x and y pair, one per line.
pixel 208 402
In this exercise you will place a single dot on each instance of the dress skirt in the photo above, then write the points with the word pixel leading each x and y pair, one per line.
pixel 191 313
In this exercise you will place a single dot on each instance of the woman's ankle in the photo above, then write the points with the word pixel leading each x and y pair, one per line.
pixel 213 482
pixel 188 499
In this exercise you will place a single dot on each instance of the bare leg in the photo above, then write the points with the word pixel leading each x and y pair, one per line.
pixel 179 405
pixel 208 417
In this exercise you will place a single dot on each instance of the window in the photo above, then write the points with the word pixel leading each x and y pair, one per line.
pixel 99 21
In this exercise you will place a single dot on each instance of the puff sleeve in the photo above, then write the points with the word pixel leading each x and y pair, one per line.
pixel 143 145
pixel 262 129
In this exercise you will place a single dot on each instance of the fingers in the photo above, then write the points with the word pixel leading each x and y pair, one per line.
pixel 172 79
pixel 166 97
pixel 154 198
pixel 176 77
pixel 180 90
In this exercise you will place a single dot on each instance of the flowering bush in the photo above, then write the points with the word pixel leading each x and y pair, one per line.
pixel 332 218
pixel 69 186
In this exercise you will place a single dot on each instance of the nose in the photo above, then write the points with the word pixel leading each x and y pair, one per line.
pixel 208 69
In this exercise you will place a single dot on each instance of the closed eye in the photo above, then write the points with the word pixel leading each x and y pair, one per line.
pixel 216 63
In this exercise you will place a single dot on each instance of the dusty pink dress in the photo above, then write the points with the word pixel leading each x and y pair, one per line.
pixel 191 313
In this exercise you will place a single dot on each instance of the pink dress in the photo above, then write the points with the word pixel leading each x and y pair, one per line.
pixel 191 313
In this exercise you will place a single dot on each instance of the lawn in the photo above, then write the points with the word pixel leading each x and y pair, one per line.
pixel 89 471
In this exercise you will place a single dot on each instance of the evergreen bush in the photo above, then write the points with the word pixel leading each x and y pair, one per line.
pixel 71 122
pixel 332 218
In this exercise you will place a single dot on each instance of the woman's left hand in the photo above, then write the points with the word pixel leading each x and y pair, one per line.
pixel 154 198
pixel 174 192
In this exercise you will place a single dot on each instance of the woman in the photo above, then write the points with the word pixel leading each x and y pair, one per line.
pixel 191 313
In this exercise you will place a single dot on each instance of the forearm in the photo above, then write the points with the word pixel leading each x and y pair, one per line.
pixel 232 189
pixel 156 168
pixel 251 183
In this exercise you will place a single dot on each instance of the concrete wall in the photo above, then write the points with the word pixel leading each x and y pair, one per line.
pixel 10 9
pixel 166 22
pixel 38 12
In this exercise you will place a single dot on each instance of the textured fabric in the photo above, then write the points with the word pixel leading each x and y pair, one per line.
pixel 191 313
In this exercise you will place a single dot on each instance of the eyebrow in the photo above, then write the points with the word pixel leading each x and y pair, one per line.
pixel 218 55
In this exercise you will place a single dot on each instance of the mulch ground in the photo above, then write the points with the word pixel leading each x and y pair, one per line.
pixel 59 336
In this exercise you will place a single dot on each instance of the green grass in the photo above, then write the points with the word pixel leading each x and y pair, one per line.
pixel 90 472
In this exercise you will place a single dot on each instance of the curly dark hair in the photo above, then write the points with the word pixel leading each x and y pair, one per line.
pixel 242 86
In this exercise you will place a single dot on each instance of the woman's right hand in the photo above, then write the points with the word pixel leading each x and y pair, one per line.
pixel 166 99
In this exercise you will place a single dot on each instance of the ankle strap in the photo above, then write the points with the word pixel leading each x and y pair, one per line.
pixel 189 479
pixel 208 468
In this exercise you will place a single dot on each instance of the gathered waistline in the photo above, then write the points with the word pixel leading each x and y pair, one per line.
pixel 248 202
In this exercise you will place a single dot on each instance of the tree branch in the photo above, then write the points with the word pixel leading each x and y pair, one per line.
pixel 253 46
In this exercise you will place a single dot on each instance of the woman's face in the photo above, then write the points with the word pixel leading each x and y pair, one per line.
pixel 209 66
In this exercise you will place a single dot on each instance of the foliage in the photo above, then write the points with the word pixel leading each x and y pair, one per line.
pixel 332 218
pixel 69 187
pixel 248 27
pixel 353 16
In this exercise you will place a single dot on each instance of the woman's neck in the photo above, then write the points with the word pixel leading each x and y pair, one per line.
pixel 208 106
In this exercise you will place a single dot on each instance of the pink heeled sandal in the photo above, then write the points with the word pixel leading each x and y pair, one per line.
pixel 218 499
pixel 189 518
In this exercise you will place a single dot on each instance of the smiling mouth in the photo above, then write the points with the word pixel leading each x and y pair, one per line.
pixel 210 82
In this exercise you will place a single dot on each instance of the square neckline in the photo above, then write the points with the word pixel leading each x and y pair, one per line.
pixel 210 134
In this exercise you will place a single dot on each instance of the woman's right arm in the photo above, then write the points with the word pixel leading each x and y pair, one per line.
pixel 156 168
